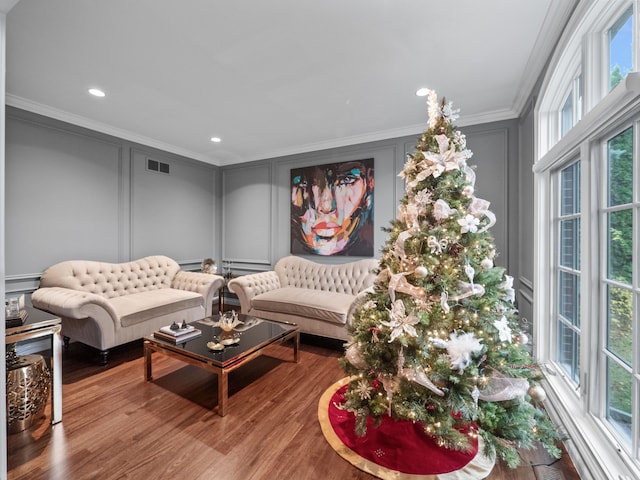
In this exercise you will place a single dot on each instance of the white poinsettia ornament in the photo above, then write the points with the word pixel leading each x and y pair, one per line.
pixel 468 223
pixel 399 322
pixel 422 198
pixel 504 331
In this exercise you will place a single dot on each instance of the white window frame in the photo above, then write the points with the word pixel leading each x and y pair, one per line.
pixel 602 210
pixel 594 445
pixel 575 106
pixel 578 410
pixel 615 14
pixel 554 285
pixel 584 49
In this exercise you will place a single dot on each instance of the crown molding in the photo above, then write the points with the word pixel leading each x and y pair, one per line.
pixel 417 129
pixel 6 5
pixel 556 19
pixel 79 120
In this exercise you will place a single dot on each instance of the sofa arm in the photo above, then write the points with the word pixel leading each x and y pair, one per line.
pixel 248 286
pixel 205 284
pixel 69 303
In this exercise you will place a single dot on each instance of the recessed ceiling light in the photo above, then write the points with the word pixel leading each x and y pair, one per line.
pixel 216 139
pixel 96 92
pixel 422 92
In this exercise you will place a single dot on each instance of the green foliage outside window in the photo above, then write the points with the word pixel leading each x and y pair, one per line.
pixel 620 268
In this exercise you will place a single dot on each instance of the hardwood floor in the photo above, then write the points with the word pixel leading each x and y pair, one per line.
pixel 117 426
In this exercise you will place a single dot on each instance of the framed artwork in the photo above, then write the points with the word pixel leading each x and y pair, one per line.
pixel 332 209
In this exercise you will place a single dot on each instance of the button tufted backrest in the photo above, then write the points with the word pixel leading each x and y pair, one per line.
pixel 350 278
pixel 112 279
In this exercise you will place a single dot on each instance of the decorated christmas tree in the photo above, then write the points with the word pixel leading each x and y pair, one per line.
pixel 437 339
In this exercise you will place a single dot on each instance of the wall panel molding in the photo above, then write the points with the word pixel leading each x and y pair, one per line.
pixel 247 214
pixel 525 282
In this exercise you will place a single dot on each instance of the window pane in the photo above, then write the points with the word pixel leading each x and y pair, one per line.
pixel 568 289
pixel 567 115
pixel 568 351
pixel 579 98
pixel 570 190
pixel 569 297
pixel 620 168
pixel 619 323
pixel 620 246
pixel 570 243
pixel 619 399
pixel 621 48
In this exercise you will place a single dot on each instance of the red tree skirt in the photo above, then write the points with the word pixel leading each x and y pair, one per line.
pixel 394 449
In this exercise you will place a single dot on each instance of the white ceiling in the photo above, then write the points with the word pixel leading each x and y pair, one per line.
pixel 274 77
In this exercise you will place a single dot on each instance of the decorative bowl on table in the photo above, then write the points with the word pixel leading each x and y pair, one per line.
pixel 228 321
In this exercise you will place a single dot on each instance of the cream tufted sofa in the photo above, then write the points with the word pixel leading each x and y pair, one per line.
pixel 108 304
pixel 316 296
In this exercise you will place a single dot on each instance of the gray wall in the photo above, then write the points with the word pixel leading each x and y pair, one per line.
pixel 76 194
pixel 256 196
pixel 525 225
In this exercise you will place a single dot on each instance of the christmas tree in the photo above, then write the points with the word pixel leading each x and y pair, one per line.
pixel 437 339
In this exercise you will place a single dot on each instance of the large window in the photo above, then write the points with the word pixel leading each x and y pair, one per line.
pixel 587 278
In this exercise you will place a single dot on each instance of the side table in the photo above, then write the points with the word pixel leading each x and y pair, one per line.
pixel 42 324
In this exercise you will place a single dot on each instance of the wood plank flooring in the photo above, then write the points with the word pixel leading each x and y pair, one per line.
pixel 117 426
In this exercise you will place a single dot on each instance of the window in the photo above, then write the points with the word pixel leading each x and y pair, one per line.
pixel 617 282
pixel 566 115
pixel 568 276
pixel 620 40
pixel 571 110
pixel 587 221
pixel 606 51
pixel 578 87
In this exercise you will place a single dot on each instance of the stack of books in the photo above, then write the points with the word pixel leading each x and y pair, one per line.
pixel 179 335
pixel 16 320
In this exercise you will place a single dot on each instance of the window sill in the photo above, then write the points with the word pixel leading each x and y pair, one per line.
pixel 591 447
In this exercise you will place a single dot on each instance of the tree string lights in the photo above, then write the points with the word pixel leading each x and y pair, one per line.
pixel 436 340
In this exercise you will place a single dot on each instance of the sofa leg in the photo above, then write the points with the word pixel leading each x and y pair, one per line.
pixel 104 357
pixel 65 342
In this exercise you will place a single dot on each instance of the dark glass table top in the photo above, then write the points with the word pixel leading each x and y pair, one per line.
pixel 254 334
pixel 36 319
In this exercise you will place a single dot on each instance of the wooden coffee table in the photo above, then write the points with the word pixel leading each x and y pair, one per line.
pixel 255 335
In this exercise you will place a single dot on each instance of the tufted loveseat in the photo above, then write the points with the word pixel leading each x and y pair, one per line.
pixel 108 304
pixel 316 296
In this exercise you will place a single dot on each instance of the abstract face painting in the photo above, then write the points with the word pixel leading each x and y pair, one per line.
pixel 332 209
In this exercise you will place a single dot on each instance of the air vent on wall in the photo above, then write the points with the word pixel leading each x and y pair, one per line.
pixel 156 166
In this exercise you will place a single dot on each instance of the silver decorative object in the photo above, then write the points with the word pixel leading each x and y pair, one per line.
pixel 28 382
